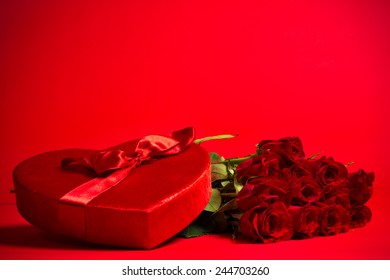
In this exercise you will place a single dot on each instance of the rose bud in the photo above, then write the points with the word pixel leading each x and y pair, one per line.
pixel 327 171
pixel 334 219
pixel 360 186
pixel 360 216
pixel 267 224
pixel 264 165
pixel 306 220
pixel 262 191
pixel 305 190
pixel 289 147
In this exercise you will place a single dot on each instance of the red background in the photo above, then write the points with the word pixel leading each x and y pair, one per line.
pixel 89 74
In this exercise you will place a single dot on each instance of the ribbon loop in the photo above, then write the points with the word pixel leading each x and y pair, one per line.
pixel 111 167
pixel 105 161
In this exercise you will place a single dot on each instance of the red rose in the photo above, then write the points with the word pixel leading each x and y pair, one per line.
pixel 267 223
pixel 327 171
pixel 360 216
pixel 337 195
pixel 305 190
pixel 360 186
pixel 297 171
pixel 306 220
pixel 289 147
pixel 334 219
pixel 262 191
pixel 264 165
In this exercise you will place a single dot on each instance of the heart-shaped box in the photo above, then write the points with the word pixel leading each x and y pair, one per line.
pixel 154 202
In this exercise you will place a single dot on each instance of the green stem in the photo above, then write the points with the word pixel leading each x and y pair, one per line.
pixel 216 137
pixel 314 156
pixel 229 194
pixel 238 160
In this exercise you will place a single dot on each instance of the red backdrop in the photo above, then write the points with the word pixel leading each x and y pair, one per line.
pixel 89 74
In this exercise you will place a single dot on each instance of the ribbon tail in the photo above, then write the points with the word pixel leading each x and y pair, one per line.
pixel 86 192
pixel 77 164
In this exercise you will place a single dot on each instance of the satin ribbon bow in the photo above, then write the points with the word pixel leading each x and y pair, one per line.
pixel 111 167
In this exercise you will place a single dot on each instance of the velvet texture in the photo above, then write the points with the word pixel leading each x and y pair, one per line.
pixel 151 204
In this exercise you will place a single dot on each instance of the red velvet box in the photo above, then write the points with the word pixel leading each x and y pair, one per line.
pixel 154 202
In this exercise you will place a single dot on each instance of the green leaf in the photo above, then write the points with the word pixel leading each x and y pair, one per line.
pixel 231 169
pixel 225 183
pixel 237 185
pixel 215 201
pixel 202 225
pixel 215 158
pixel 218 172
pixel 230 205
pixel 194 230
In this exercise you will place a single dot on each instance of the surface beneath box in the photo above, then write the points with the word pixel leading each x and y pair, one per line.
pixel 20 240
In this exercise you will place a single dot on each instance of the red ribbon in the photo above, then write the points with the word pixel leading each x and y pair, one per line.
pixel 111 167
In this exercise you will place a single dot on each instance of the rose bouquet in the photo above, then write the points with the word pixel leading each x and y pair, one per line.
pixel 277 194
